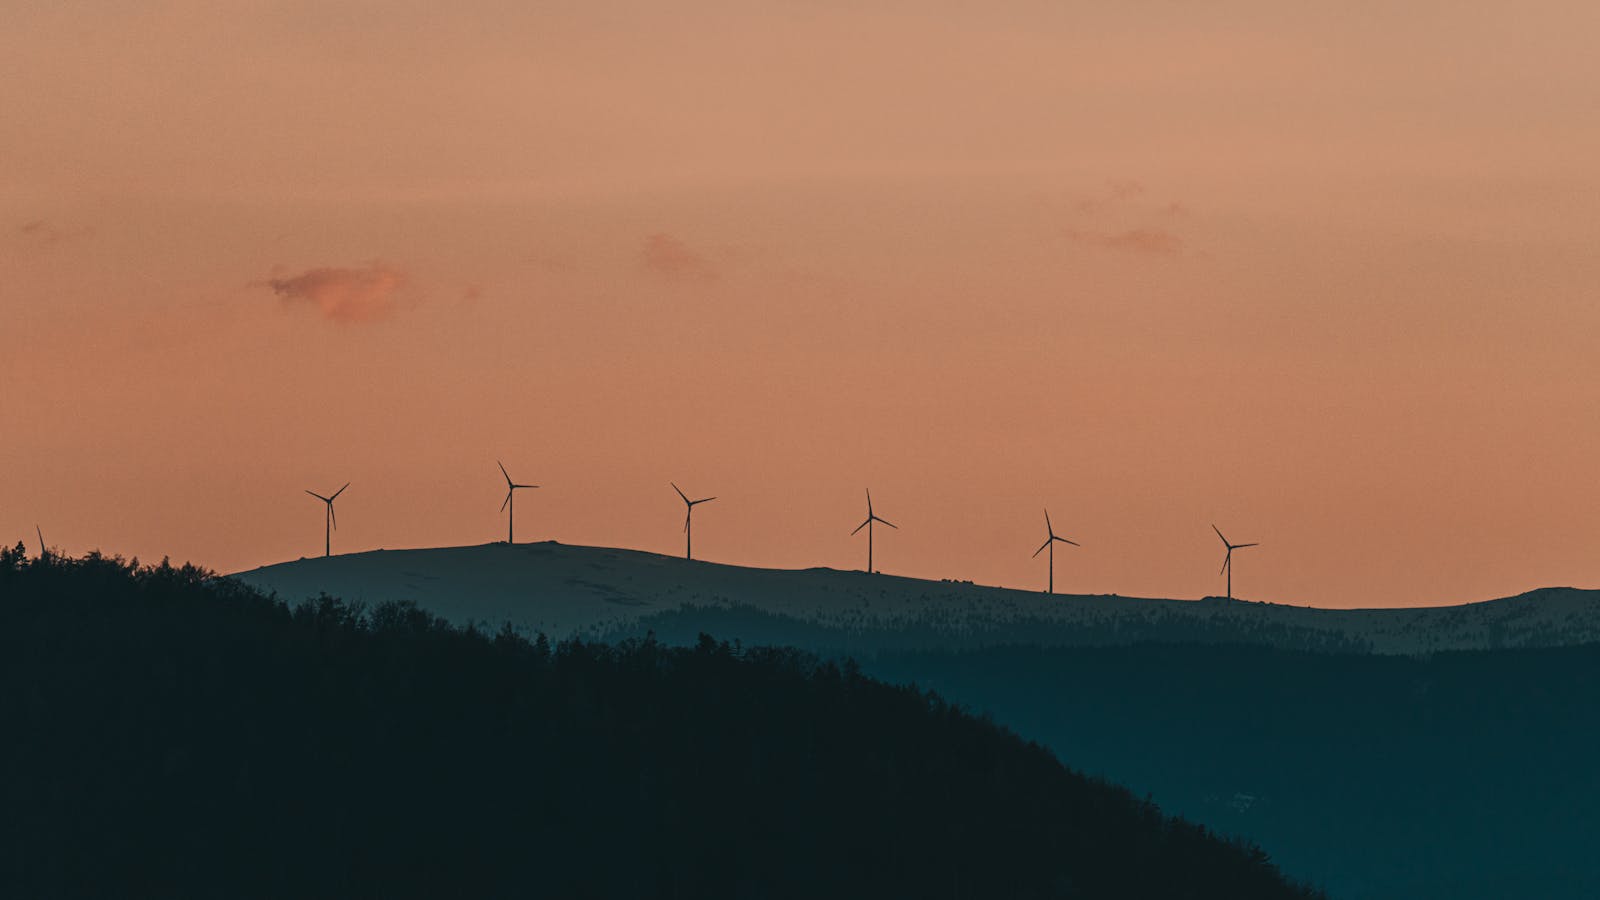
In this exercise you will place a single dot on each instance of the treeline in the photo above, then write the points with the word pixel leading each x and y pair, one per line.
pixel 169 733
pixel 971 628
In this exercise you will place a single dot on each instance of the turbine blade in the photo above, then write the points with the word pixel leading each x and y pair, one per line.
pixel 859 527
pixel 1225 560
pixel 332 516
pixel 503 470
pixel 338 492
pixel 686 522
pixel 888 523
pixel 514 486
pixel 1040 550
pixel 505 501
pixel 706 500
pixel 318 496
pixel 869 502
pixel 1065 541
pixel 1237 546
pixel 1219 534
pixel 680 491
pixel 1049 529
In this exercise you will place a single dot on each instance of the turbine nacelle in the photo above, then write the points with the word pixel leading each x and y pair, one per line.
pixel 1053 537
pixel 1227 559
pixel 511 486
pixel 688 514
pixel 333 518
pixel 873 517
pixel 867 524
pixel 687 502
pixel 331 524
pixel 1050 541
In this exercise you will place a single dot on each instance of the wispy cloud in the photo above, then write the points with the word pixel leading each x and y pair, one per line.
pixel 1135 240
pixel 671 258
pixel 1115 192
pixel 349 296
pixel 44 231
pixel 1124 189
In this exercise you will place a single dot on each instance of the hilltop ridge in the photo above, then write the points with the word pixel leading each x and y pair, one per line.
pixel 566 590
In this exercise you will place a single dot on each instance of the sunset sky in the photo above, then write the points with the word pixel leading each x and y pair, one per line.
pixel 1325 274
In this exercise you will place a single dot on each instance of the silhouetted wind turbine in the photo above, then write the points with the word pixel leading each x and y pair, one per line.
pixel 688 517
pixel 1227 561
pixel 1051 543
pixel 871 517
pixel 331 522
pixel 511 491
pixel 42 551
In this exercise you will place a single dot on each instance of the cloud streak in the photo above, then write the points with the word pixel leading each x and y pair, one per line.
pixel 45 232
pixel 1155 241
pixel 672 259
pixel 344 295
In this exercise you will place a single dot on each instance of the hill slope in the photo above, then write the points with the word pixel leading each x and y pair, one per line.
pixel 173 734
pixel 565 590
pixel 1450 763
pixel 1466 775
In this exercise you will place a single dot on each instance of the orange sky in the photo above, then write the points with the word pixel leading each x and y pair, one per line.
pixel 1324 274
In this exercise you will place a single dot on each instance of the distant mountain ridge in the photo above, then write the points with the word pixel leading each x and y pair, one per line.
pixel 564 591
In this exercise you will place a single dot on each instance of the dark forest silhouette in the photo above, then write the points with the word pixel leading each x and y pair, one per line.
pixel 1467 775
pixel 1463 774
pixel 175 734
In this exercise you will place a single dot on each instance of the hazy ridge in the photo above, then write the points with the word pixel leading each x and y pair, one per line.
pixel 563 590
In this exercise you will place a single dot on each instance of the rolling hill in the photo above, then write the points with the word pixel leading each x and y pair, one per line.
pixel 563 590
pixel 176 735
pixel 1428 752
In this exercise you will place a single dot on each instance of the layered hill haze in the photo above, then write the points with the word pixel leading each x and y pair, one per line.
pixel 566 591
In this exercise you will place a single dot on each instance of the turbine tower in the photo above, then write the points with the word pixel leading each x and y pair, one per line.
pixel 871 517
pixel 331 521
pixel 1227 561
pixel 1050 542
pixel 511 492
pixel 688 517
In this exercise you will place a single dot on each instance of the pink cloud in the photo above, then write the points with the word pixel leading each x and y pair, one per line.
pixel 671 258
pixel 1124 189
pixel 347 296
pixel 1136 240
pixel 1116 191
pixel 46 232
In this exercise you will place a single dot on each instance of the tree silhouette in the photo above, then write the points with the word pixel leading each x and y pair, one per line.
pixel 172 733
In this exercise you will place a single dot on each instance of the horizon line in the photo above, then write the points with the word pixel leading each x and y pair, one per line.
pixel 670 557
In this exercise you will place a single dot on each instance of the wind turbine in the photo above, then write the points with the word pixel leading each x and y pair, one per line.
pixel 331 522
pixel 1227 561
pixel 1051 543
pixel 871 517
pixel 688 516
pixel 511 492
pixel 43 552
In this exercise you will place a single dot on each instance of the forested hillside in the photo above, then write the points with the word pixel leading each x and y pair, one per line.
pixel 174 734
